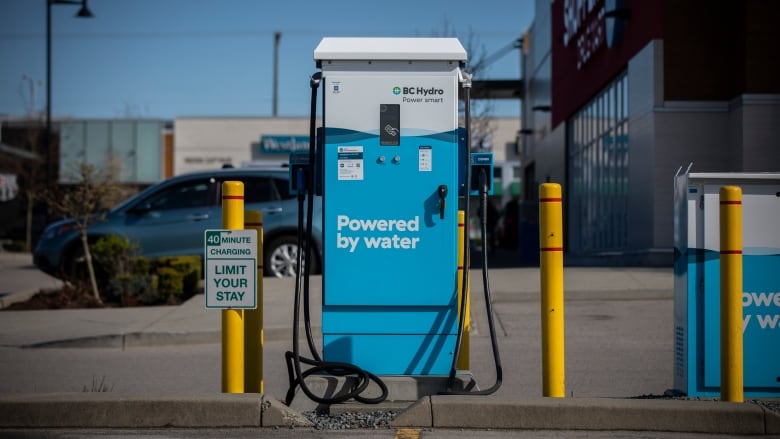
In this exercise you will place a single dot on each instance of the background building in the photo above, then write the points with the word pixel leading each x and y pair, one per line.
pixel 209 142
pixel 620 96
pixel 151 150
pixel 137 146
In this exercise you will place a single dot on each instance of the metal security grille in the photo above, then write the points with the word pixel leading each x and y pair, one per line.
pixel 597 139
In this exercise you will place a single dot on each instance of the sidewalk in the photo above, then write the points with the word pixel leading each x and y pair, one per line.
pixel 192 323
pixel 613 319
pixel 19 279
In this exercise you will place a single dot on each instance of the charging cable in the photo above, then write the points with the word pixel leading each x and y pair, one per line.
pixel 483 190
pixel 297 376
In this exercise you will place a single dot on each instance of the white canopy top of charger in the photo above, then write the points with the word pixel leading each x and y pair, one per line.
pixel 389 49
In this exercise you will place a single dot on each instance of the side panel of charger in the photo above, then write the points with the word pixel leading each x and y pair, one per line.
pixel 390 203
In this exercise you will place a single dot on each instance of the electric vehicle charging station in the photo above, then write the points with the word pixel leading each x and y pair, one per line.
pixel 392 167
pixel 390 187
pixel 697 305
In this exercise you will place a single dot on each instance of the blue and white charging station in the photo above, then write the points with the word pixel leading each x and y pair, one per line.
pixel 697 340
pixel 390 202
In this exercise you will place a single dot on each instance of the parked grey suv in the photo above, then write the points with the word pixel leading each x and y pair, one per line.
pixel 168 219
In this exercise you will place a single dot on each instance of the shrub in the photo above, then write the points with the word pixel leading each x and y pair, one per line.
pixel 132 290
pixel 113 254
pixel 170 284
pixel 190 269
pixel 128 279
pixel 141 265
pixel 116 266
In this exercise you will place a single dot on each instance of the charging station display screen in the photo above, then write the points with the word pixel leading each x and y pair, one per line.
pixel 389 124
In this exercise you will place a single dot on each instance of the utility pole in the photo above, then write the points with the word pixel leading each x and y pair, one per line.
pixel 277 37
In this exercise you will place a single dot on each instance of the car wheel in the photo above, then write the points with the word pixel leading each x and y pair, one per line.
pixel 280 257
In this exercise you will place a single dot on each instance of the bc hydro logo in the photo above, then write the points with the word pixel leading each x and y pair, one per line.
pixel 420 91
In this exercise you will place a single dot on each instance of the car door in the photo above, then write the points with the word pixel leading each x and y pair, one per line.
pixel 171 221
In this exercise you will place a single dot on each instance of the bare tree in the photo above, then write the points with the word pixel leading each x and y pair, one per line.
pixel 477 65
pixel 85 203
pixel 34 181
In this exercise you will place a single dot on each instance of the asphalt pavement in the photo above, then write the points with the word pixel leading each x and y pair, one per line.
pixel 619 358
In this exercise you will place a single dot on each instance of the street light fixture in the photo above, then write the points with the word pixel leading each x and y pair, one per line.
pixel 83 12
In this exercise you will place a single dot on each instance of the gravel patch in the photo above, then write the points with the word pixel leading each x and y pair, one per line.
pixel 350 420
pixel 381 419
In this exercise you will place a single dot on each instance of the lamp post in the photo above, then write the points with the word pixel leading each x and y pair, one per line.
pixel 83 12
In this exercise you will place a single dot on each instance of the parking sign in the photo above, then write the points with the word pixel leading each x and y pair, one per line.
pixel 231 269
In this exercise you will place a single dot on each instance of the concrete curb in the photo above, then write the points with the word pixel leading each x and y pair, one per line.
pixel 147 339
pixel 590 414
pixel 133 339
pixel 107 410
pixel 110 410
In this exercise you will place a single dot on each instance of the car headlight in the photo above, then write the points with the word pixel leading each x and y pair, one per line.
pixel 52 232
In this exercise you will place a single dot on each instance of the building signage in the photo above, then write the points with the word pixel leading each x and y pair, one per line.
pixel 231 268
pixel 283 144
pixel 583 23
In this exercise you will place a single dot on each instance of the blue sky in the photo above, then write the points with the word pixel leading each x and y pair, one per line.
pixel 170 58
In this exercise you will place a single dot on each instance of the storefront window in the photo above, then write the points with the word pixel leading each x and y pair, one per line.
pixel 597 139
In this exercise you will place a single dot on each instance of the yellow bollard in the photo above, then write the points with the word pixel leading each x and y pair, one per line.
pixel 464 362
pixel 551 266
pixel 253 318
pixel 731 354
pixel 233 319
